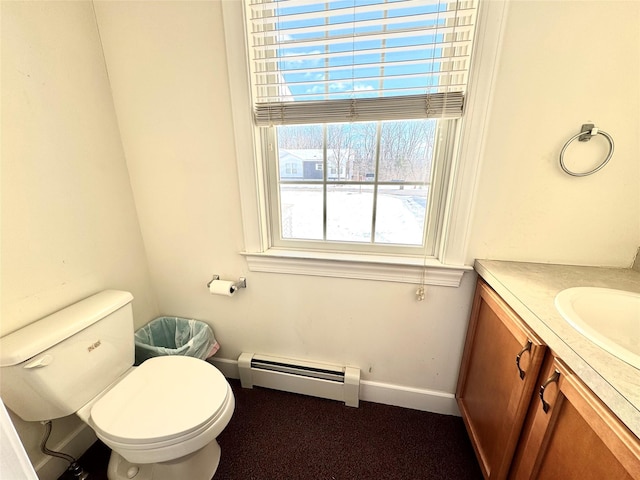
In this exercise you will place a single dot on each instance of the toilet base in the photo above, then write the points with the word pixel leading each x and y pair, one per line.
pixel 199 465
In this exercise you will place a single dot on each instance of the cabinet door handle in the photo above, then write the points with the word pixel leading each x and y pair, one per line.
pixel 526 348
pixel 553 378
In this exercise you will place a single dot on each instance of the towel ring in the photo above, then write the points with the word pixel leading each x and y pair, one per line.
pixel 588 131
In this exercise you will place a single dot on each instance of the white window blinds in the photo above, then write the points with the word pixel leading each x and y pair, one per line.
pixel 358 60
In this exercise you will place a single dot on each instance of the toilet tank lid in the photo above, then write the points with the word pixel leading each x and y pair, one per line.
pixel 42 334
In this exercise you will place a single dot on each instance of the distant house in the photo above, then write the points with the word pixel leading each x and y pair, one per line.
pixel 307 164
pixel 291 165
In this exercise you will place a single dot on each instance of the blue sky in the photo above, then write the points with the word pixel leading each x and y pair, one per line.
pixel 303 66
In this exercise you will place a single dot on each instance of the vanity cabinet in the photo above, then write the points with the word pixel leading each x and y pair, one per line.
pixel 500 366
pixel 570 434
pixel 527 414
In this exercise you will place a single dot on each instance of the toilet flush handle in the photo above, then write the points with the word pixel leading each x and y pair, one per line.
pixel 43 361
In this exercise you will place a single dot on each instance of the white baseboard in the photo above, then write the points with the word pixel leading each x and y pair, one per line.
pixel 75 444
pixel 408 397
pixel 229 368
pixel 386 393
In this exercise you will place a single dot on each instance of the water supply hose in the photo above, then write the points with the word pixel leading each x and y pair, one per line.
pixel 74 467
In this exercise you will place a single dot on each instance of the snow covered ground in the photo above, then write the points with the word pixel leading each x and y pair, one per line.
pixel 400 214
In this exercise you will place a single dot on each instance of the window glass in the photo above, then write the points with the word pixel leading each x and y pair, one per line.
pixel 301 212
pixel 349 213
pixel 358 183
pixel 401 214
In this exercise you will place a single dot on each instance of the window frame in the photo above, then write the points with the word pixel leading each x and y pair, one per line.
pixel 445 133
pixel 451 260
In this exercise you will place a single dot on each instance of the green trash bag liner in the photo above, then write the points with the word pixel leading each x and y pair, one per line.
pixel 175 336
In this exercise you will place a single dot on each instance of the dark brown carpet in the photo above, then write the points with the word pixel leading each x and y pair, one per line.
pixel 280 436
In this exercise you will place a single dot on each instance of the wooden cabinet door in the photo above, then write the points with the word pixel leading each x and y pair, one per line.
pixel 577 437
pixel 499 371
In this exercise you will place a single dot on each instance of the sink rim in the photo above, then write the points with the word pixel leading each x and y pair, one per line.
pixel 564 305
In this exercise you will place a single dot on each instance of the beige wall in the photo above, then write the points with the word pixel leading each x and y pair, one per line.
pixel 167 66
pixel 168 73
pixel 563 64
pixel 69 225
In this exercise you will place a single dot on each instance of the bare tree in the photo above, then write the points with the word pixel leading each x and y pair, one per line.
pixel 300 137
pixel 340 142
pixel 406 149
pixel 364 149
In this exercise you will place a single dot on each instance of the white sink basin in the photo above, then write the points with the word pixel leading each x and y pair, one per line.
pixel 609 318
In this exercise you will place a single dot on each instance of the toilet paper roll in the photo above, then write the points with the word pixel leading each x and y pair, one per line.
pixel 222 287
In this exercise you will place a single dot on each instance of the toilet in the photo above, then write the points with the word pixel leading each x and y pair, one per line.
pixel 160 419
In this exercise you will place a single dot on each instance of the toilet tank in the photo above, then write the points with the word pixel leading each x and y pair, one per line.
pixel 52 367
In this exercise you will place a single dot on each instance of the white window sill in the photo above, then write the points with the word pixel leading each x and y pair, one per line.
pixel 388 268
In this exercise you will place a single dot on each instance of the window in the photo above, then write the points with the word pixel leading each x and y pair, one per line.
pixel 382 189
pixel 290 170
pixel 332 84
pixel 394 72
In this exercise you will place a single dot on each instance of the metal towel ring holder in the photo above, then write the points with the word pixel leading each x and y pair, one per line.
pixel 588 130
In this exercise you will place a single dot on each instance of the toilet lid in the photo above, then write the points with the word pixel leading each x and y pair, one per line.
pixel 164 398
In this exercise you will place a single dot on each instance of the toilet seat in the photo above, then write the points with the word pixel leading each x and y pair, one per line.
pixel 164 401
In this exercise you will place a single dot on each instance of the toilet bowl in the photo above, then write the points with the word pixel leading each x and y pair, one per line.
pixel 160 419
pixel 166 408
pixel 195 465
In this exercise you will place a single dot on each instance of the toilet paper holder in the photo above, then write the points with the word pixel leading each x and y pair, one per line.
pixel 241 283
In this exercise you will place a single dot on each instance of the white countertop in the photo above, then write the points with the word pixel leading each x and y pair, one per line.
pixel 530 289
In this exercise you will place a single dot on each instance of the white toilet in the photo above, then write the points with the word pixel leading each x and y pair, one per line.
pixel 160 419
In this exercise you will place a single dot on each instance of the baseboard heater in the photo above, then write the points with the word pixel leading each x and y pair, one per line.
pixel 323 380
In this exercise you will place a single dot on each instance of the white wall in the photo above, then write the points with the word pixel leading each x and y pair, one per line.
pixel 563 64
pixel 14 462
pixel 69 225
pixel 167 65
